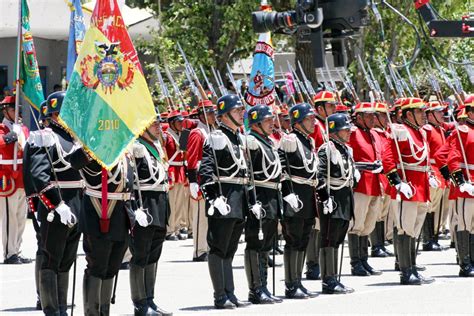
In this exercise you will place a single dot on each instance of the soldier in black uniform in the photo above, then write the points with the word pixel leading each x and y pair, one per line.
pixel 105 226
pixel 262 221
pixel 59 189
pixel 338 201
pixel 223 181
pixel 299 193
pixel 149 234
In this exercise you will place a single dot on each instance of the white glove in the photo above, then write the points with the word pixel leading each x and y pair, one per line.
pixel 140 217
pixel 64 211
pixel 357 175
pixel 328 206
pixel 292 200
pixel 433 182
pixel 468 188
pixel 257 210
pixel 405 189
pixel 288 143
pixel 221 205
pixel 138 150
pixel 194 190
pixel 379 169
pixel 17 128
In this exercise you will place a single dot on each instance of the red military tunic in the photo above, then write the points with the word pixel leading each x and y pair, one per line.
pixel 456 159
pixel 195 146
pixel 366 146
pixel 436 139
pixel 176 160
pixel 414 150
pixel 10 180
pixel 319 135
pixel 441 159
pixel 385 140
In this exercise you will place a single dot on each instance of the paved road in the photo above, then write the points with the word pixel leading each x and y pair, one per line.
pixel 184 287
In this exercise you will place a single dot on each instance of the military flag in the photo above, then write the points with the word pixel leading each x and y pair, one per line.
pixel 77 31
pixel 29 71
pixel 107 103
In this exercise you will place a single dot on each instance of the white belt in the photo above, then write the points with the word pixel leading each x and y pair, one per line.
pixel 469 166
pixel 177 163
pixel 338 182
pixel 415 168
pixel 154 188
pixel 301 180
pixel 10 161
pixel 79 184
pixel 433 162
pixel 235 180
pixel 120 196
pixel 268 185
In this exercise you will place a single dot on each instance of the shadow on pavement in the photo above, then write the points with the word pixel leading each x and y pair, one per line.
pixel 20 309
pixel 198 308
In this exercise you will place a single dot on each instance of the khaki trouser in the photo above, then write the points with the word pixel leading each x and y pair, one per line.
pixel 439 204
pixel 179 204
pixel 464 209
pixel 409 217
pixel 389 217
pixel 198 209
pixel 13 219
pixel 366 213
pixel 445 214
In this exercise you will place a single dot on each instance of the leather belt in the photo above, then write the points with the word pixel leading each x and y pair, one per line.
pixel 79 184
pixel 268 185
pixel 154 188
pixel 119 196
pixel 177 163
pixel 338 182
pixel 415 168
pixel 234 180
pixel 469 166
pixel 10 161
pixel 301 180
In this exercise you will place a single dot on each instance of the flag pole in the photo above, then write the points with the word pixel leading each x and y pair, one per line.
pixel 17 82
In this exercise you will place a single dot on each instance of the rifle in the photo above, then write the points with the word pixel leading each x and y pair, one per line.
pixel 333 83
pixel 220 84
pixel 398 86
pixel 164 89
pixel 368 79
pixel 288 87
pixel 403 82
pixel 457 81
pixel 434 82
pixel 410 78
pixel 298 87
pixel 376 84
pixel 176 90
pixel 388 80
pixel 209 84
pixel 448 81
pixel 469 70
pixel 351 85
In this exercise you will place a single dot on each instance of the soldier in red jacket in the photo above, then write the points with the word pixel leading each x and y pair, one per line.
pixel 461 165
pixel 12 192
pixel 435 133
pixel 324 105
pixel 207 119
pixel 407 173
pixel 367 151
pixel 179 193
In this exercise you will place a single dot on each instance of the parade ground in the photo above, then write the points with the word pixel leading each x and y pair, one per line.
pixel 184 287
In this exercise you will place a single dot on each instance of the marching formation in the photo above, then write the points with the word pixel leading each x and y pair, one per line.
pixel 311 173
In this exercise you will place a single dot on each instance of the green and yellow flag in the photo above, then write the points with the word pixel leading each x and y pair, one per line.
pixel 107 103
pixel 29 72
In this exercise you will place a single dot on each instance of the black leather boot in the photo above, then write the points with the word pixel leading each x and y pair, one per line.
pixel 377 242
pixel 137 290
pixel 252 269
pixel 404 253
pixel 63 284
pixel 300 265
pixel 264 256
pixel 357 269
pixel 462 239
pixel 471 248
pixel 292 290
pixel 395 248
pixel 91 295
pixel 364 255
pixel 229 284
pixel 216 271
pixel 49 292
pixel 312 256
pixel 150 280
pixel 328 265
pixel 429 241
pixel 106 296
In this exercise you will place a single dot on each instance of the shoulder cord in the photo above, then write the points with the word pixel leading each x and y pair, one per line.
pixel 307 162
pixel 267 164
pixel 112 178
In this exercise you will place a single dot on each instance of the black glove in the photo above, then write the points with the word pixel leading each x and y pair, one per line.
pixel 10 138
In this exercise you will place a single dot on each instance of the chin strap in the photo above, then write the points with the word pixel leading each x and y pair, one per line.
pixel 233 120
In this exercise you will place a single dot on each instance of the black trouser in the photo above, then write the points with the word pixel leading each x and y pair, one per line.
pixel 296 231
pixel 223 236
pixel 103 256
pixel 58 246
pixel 269 229
pixel 146 244
pixel 333 231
